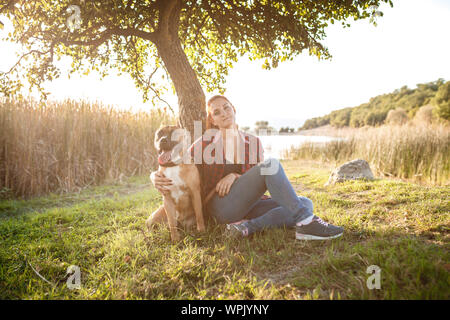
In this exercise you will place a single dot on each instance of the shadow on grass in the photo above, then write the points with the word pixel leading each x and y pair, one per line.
pixel 119 259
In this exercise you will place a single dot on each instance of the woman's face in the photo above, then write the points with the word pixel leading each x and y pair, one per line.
pixel 222 114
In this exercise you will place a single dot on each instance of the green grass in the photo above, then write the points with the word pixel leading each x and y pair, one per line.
pixel 401 227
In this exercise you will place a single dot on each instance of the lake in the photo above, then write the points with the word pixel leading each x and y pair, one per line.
pixel 274 145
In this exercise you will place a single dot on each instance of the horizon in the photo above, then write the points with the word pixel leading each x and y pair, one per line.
pixel 367 61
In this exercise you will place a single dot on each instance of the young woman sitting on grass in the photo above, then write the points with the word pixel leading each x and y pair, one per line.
pixel 233 190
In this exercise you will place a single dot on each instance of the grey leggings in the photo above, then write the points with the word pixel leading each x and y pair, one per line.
pixel 244 200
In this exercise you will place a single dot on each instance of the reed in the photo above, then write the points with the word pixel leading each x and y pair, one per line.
pixel 415 151
pixel 68 145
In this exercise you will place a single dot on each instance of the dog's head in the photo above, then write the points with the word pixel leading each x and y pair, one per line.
pixel 171 143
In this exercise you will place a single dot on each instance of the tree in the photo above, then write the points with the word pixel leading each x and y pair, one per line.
pixel 194 41
pixel 396 117
pixel 309 124
pixel 442 101
pixel 375 118
pixel 425 115
pixel 261 125
pixel 341 118
pixel 286 130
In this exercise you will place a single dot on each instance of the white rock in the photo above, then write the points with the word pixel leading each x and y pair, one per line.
pixel 352 170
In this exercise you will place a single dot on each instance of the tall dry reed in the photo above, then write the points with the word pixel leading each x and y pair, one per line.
pixel 69 145
pixel 417 152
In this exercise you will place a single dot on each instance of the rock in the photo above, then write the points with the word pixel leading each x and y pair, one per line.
pixel 353 170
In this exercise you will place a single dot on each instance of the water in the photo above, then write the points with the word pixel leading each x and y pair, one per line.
pixel 275 145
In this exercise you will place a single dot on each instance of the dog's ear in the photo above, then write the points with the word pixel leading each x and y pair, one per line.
pixel 179 123
pixel 158 130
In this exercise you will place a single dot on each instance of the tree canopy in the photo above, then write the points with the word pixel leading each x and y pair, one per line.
pixel 189 44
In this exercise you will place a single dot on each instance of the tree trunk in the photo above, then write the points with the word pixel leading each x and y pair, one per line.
pixel 191 99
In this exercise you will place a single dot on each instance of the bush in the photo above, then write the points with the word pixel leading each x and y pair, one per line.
pixel 397 117
pixel 425 115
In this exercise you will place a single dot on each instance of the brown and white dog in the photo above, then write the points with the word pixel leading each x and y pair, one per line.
pixel 183 204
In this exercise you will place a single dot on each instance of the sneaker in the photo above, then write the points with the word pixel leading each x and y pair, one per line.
pixel 236 230
pixel 317 229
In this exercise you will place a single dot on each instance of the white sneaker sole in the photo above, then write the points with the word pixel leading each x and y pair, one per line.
pixel 300 236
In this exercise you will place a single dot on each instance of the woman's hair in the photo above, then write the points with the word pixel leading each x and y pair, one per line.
pixel 209 122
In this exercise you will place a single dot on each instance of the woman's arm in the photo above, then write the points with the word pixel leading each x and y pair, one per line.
pixel 211 193
pixel 160 182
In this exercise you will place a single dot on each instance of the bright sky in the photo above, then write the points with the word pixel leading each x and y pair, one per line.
pixel 407 47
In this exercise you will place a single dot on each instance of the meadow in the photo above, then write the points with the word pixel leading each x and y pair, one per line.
pixel 75 191
pixel 69 145
pixel 401 227
pixel 417 152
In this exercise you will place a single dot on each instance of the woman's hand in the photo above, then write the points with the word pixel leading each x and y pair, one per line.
pixel 160 182
pixel 224 185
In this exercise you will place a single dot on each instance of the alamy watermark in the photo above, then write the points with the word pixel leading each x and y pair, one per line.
pixel 74 21
pixel 213 152
pixel 374 14
pixel 74 280
pixel 374 281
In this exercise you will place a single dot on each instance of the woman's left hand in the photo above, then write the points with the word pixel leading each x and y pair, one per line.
pixel 224 185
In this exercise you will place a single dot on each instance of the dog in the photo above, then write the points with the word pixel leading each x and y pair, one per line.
pixel 183 204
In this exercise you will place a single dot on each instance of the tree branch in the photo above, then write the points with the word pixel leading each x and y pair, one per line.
pixel 108 33
pixel 24 55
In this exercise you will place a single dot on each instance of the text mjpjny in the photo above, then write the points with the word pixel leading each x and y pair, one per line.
pixel 237 309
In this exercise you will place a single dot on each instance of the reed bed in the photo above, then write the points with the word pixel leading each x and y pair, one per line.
pixel 66 146
pixel 414 151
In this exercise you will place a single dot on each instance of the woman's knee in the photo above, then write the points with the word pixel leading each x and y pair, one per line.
pixel 270 166
pixel 219 213
pixel 223 217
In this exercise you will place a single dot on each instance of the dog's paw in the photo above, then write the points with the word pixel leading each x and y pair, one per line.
pixel 201 228
pixel 149 223
pixel 175 237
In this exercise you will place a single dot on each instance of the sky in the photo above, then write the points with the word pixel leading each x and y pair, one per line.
pixel 409 46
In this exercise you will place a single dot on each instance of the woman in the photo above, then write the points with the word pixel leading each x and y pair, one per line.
pixel 233 188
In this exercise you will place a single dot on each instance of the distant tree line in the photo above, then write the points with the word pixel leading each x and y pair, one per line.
pixel 400 105
pixel 286 130
pixel 263 127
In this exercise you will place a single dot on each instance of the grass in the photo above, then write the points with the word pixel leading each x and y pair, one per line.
pixel 68 145
pixel 401 227
pixel 414 151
